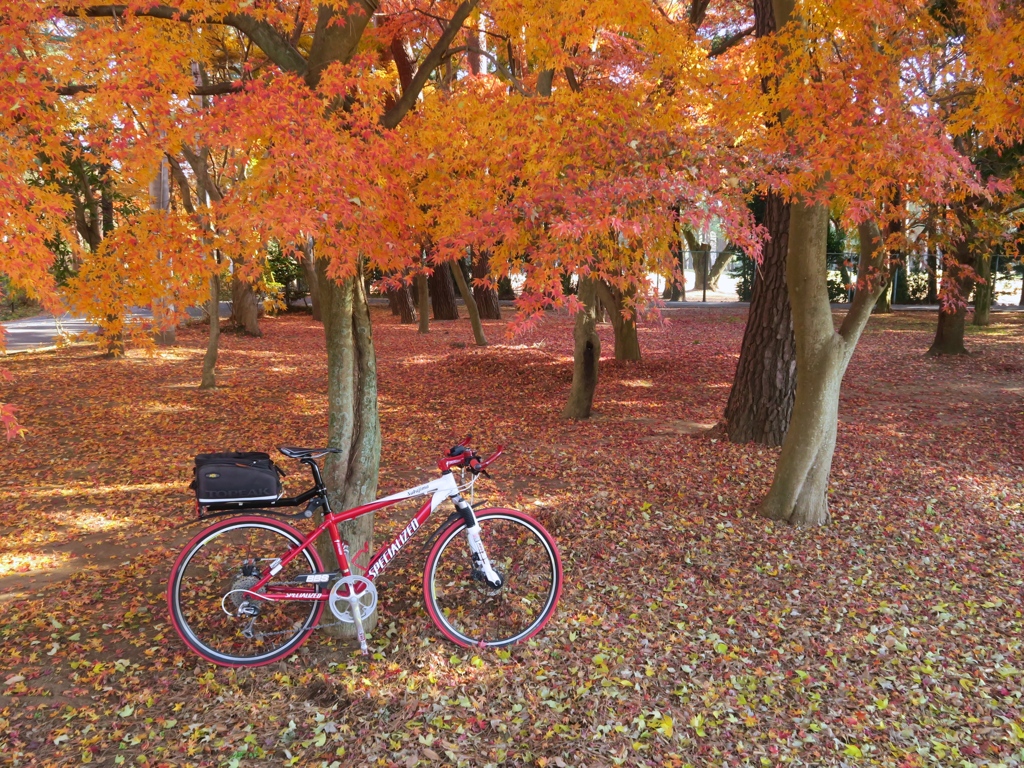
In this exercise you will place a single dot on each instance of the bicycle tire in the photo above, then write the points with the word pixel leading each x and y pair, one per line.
pixel 208 575
pixel 471 613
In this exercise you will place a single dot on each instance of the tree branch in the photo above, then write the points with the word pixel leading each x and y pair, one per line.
pixel 722 45
pixel 872 259
pixel 394 115
pixel 214 89
pixel 271 42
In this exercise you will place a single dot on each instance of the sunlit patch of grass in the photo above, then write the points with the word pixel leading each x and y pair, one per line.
pixel 27 562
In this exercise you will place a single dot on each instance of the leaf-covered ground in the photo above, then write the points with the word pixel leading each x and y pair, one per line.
pixel 690 632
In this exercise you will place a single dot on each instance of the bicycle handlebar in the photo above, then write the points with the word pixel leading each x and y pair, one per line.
pixel 464 456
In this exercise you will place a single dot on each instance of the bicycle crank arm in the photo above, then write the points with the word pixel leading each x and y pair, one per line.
pixel 355 606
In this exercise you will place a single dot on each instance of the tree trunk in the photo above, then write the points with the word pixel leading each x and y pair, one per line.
pixel 309 272
pixel 209 380
pixel 406 310
pixel 949 332
pixel 718 268
pixel 983 290
pixel 764 387
pixel 586 353
pixel 486 298
pixel 627 345
pixel 467 298
pixel 884 305
pixel 442 293
pixel 800 484
pixel 933 283
pixel 798 492
pixel 353 422
pixel 701 266
pixel 423 295
pixel 245 307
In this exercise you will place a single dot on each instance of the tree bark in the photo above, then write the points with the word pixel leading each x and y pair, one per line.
pixel 486 298
pixel 353 421
pixel 718 268
pixel 933 283
pixel 701 267
pixel 442 293
pixel 467 298
pixel 884 305
pixel 627 345
pixel 798 494
pixel 245 307
pixel 401 304
pixel 309 273
pixel 949 331
pixel 586 353
pixel 209 380
pixel 423 296
pixel 764 388
pixel 983 290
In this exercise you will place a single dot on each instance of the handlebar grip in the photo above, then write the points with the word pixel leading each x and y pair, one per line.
pixel 492 457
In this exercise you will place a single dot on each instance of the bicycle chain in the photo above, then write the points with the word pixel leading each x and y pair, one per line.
pixel 303 629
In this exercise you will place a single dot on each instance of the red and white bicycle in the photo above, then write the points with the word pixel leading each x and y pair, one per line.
pixel 250 589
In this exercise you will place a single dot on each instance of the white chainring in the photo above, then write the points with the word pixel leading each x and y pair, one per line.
pixel 339 599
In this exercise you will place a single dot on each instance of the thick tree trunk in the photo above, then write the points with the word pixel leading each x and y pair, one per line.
pixel 486 298
pixel 586 354
pixel 245 307
pixel 423 297
pixel 309 273
pixel 209 380
pixel 983 290
pixel 799 486
pixel 764 387
pixel 627 345
pixel 949 332
pixel 406 309
pixel 467 298
pixel 442 293
pixel 353 422
pixel 884 305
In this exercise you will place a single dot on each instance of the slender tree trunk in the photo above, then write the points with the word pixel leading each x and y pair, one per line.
pixel 209 380
pixel 949 331
pixel 764 388
pixel 353 422
pixel 442 293
pixel 799 486
pixel 245 307
pixel 718 268
pixel 884 304
pixel 627 345
pixel 586 354
pixel 309 273
pixel 486 298
pixel 423 294
pixel 1020 302
pixel 933 283
pixel 406 309
pixel 983 290
pixel 467 297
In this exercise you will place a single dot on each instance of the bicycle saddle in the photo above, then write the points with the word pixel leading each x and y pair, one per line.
pixel 305 453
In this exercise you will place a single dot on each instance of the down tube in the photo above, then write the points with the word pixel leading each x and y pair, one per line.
pixel 387 553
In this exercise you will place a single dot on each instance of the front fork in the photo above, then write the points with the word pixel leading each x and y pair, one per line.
pixel 481 563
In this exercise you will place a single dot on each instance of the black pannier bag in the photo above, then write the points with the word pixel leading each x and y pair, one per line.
pixel 230 477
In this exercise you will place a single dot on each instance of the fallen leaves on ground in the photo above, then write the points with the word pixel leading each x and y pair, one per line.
pixel 690 631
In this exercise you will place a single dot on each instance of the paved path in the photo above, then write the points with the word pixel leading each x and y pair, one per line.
pixel 45 330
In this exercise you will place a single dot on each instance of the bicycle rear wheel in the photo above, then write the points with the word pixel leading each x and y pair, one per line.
pixel 210 585
pixel 471 612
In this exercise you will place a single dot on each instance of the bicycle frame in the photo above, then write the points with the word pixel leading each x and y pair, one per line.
pixel 444 487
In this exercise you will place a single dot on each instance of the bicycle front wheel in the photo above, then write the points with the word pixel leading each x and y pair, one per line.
pixel 469 610
pixel 212 605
